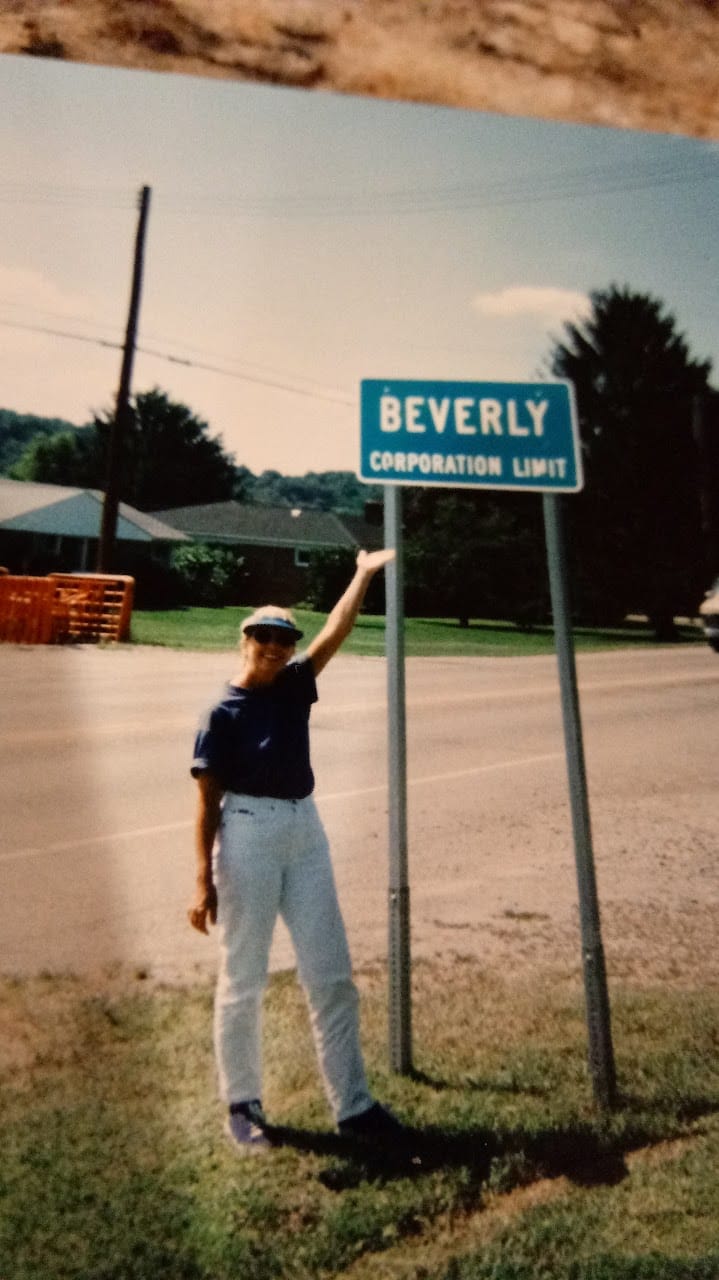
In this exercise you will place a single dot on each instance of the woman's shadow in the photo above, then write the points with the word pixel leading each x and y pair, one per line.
pixel 576 1153
pixel 586 1153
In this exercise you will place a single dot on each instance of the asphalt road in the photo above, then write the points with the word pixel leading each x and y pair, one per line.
pixel 96 862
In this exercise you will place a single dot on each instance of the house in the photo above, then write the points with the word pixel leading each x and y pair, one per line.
pixel 46 527
pixel 275 543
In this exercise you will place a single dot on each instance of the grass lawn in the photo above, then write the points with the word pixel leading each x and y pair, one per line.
pixel 197 628
pixel 115 1167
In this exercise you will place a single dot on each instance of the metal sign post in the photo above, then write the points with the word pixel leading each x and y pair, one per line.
pixel 600 1051
pixel 481 435
pixel 400 999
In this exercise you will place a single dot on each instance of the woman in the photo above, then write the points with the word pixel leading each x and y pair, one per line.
pixel 252 764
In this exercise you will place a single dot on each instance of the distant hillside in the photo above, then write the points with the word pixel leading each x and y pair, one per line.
pixel 18 429
pixel 316 491
pixel 339 491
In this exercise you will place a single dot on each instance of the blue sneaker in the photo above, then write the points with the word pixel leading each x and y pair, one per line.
pixel 245 1128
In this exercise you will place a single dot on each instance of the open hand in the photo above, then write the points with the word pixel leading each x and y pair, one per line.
pixel 372 561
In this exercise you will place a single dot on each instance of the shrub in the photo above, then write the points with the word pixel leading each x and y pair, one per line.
pixel 207 575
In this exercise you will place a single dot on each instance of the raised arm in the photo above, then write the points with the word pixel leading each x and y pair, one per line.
pixel 342 618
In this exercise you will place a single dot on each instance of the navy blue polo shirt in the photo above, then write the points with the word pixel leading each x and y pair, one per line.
pixel 256 741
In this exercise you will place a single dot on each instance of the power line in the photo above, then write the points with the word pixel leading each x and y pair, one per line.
pixel 60 333
pixel 250 367
pixel 332 396
pixel 278 384
pixel 45 312
pixel 241 372
pixel 533 188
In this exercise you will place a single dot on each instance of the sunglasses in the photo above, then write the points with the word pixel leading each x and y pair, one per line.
pixel 272 635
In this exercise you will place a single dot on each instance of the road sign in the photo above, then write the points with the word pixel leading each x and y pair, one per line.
pixel 481 435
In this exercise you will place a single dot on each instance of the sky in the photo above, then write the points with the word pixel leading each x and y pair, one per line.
pixel 299 242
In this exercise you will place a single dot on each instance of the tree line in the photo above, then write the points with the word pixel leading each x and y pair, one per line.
pixel 169 459
pixel 643 533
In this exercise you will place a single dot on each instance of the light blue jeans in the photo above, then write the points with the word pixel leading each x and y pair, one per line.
pixel 273 858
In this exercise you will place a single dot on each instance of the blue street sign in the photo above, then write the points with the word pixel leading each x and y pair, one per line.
pixel 481 435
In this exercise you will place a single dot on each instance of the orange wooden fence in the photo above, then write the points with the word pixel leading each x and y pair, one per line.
pixel 65 607
pixel 26 610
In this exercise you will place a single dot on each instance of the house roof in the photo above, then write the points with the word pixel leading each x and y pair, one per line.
pixel 26 507
pixel 236 522
pixel 363 532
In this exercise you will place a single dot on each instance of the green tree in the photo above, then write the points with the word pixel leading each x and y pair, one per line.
pixel 206 575
pixel 635 529
pixel 317 491
pixel 243 484
pixel 328 573
pixel 168 458
pixel 472 554
pixel 17 430
pixel 70 458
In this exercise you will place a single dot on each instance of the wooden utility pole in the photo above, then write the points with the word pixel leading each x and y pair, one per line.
pixel 106 544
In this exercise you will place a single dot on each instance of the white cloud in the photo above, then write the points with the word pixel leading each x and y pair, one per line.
pixel 550 305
